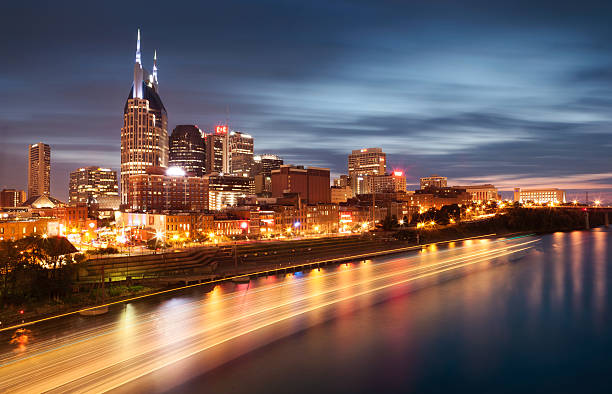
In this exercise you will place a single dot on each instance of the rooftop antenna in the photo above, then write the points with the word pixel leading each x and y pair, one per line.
pixel 227 115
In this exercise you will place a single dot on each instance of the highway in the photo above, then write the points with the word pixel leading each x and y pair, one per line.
pixel 74 354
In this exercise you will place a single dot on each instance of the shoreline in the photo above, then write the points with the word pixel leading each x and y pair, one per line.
pixel 437 236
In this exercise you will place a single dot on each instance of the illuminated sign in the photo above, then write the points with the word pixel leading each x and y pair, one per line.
pixel 244 225
pixel 364 150
pixel 221 129
pixel 398 173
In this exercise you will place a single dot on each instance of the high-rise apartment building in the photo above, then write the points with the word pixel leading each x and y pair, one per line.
pixel 241 153
pixel 39 170
pixel 188 150
pixel 217 151
pixel 88 184
pixel 364 162
pixel 144 135
pixel 434 181
pixel 10 198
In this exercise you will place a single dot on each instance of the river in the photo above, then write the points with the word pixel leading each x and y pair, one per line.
pixel 525 314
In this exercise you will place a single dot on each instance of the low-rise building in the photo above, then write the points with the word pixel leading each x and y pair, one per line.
pixel 486 192
pixel 539 196
pixel 21 228
pixel 434 181
pixel 340 194
pixel 223 191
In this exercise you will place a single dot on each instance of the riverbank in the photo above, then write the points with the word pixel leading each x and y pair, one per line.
pixel 246 260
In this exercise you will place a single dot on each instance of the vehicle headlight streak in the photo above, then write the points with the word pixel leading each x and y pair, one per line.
pixel 98 366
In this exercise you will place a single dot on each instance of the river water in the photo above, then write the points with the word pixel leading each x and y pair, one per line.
pixel 542 323
pixel 530 314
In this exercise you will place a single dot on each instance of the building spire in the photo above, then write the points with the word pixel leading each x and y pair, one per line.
pixel 138 48
pixel 155 67
pixel 138 72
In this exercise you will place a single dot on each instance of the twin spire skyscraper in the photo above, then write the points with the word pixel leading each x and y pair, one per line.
pixel 144 135
pixel 139 72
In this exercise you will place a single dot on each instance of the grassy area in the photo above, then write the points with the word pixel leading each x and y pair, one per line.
pixel 28 311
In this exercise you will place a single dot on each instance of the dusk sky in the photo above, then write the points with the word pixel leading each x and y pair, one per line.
pixel 515 95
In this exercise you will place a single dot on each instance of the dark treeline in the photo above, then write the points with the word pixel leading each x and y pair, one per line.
pixel 513 220
pixel 36 269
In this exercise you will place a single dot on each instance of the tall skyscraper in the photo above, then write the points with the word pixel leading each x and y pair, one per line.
pixel 39 170
pixel 188 150
pixel 217 151
pixel 88 184
pixel 144 135
pixel 241 153
pixel 364 162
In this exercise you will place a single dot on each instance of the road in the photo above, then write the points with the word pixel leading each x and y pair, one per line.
pixel 105 353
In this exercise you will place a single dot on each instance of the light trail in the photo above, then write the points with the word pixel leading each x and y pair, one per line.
pixel 268 271
pixel 117 353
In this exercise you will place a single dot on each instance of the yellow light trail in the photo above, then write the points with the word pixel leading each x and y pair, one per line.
pixel 255 273
pixel 102 361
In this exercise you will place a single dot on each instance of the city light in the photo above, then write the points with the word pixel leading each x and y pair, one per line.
pixel 175 171
pixel 597 203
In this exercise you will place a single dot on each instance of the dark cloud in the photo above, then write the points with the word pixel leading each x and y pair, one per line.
pixel 475 90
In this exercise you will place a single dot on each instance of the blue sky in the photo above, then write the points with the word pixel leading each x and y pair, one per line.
pixel 515 93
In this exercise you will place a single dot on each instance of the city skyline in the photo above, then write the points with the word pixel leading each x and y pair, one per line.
pixel 456 105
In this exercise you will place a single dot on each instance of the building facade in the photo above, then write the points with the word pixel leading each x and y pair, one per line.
pixel 262 172
pixel 241 153
pixel 364 162
pixel 485 192
pixel 386 183
pixel 539 196
pixel 340 194
pixel 144 135
pixel 311 184
pixel 217 151
pixel 88 184
pixel 434 181
pixel 223 191
pixel 157 191
pixel 10 198
pixel 39 170
pixel 187 150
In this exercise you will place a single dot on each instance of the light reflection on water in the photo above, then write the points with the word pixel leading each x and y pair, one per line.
pixel 477 318
pixel 542 317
